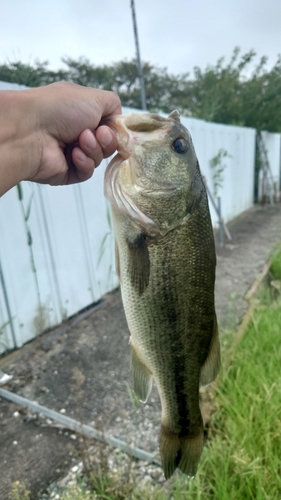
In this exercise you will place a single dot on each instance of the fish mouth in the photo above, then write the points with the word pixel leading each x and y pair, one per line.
pixel 131 132
pixel 117 125
pixel 128 127
pixel 131 122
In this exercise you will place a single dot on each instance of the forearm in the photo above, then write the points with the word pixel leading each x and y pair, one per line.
pixel 19 145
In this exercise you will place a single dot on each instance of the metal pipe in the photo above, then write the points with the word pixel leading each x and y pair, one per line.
pixel 225 228
pixel 221 231
pixel 87 430
pixel 141 78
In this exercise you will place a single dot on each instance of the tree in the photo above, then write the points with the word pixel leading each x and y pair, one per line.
pixel 87 74
pixel 228 92
pixel 215 94
pixel 225 93
pixel 31 76
pixel 261 98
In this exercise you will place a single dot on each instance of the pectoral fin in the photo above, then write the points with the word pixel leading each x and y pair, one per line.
pixel 142 380
pixel 211 367
pixel 139 265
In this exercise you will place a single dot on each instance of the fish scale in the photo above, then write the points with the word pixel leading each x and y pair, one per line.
pixel 167 270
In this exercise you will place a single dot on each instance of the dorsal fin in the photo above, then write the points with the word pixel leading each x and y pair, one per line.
pixel 175 115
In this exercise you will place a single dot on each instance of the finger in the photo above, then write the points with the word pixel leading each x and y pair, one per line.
pixel 84 165
pixel 90 146
pixel 109 101
pixel 107 140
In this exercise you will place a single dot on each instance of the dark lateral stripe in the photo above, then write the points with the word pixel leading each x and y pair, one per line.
pixel 171 311
pixel 139 263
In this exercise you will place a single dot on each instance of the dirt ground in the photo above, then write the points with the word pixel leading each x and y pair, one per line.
pixel 37 453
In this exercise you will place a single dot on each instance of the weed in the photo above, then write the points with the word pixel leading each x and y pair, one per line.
pixel 41 320
pixel 217 169
pixel 26 214
pixel 78 380
pixel 76 492
pixel 275 267
pixel 2 332
pixel 107 245
pixel 19 492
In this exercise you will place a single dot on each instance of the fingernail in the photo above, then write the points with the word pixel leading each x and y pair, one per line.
pixel 81 156
pixel 106 138
pixel 91 141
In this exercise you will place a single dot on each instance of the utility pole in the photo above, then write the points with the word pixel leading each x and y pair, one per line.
pixel 142 87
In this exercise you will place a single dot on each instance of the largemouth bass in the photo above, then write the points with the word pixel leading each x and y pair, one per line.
pixel 165 258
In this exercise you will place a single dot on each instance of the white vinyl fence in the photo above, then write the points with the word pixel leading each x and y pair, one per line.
pixel 56 244
pixel 237 177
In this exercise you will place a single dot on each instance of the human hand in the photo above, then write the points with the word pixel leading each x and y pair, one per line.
pixel 54 131
pixel 72 144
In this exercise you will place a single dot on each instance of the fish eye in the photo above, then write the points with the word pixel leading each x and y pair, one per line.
pixel 180 146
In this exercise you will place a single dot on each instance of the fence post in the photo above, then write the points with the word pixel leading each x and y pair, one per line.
pixel 221 228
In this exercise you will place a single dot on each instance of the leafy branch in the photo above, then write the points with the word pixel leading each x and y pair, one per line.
pixel 240 91
pixel 217 169
pixel 26 214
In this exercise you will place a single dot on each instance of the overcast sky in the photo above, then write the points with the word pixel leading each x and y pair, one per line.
pixel 177 34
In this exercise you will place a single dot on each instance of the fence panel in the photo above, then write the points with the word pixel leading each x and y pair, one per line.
pixel 238 175
pixel 71 269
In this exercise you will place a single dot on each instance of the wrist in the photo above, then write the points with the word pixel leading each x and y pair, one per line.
pixel 19 150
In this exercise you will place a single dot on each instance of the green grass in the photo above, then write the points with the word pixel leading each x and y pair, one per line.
pixel 242 460
pixel 275 267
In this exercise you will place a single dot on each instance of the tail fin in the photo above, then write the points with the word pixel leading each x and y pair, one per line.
pixel 182 452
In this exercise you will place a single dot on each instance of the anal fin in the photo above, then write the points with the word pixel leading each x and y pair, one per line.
pixel 211 367
pixel 142 377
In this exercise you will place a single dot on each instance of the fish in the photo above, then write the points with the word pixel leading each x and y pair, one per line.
pixel 165 260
